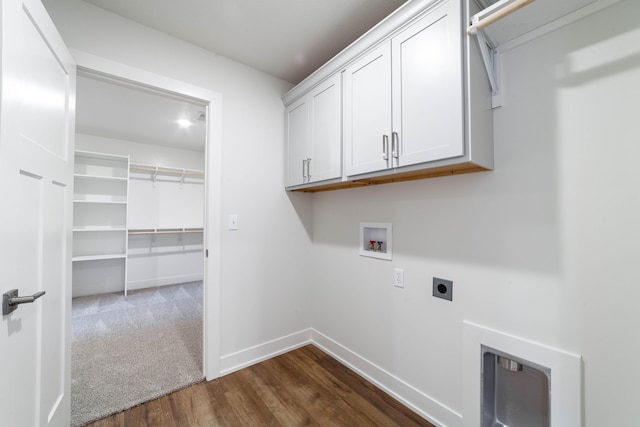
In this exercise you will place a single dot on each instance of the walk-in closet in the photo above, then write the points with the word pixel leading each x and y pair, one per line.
pixel 138 261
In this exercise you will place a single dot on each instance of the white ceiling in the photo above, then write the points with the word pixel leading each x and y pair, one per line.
pixel 288 39
pixel 113 109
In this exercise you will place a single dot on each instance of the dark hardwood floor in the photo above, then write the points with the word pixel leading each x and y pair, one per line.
pixel 305 387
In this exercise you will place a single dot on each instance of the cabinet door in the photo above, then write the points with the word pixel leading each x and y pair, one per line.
pixel 297 115
pixel 326 130
pixel 427 89
pixel 367 115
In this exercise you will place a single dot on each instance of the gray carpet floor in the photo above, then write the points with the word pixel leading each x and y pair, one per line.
pixel 128 350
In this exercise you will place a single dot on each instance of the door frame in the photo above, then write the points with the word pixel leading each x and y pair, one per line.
pixel 213 183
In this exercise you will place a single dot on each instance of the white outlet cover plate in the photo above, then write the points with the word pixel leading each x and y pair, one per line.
pixel 398 278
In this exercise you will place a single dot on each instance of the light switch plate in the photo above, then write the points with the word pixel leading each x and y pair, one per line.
pixel 233 222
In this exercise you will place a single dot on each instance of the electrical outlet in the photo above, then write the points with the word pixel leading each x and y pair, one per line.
pixel 398 278
pixel 443 288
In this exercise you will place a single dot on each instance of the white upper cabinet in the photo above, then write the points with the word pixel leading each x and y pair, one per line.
pixel 298 137
pixel 403 101
pixel 326 131
pixel 427 90
pixel 314 135
pixel 416 103
pixel 367 112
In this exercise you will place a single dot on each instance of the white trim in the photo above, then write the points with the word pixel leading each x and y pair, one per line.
pixel 261 352
pixel 419 402
pixel 213 186
pixel 134 75
pixel 566 373
pixel 424 405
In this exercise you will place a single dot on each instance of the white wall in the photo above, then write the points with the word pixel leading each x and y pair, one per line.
pixel 265 262
pixel 545 247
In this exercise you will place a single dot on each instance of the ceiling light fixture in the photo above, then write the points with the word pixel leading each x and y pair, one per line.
pixel 184 123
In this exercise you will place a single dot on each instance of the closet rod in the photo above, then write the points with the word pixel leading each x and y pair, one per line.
pixel 497 15
pixel 164 231
pixel 165 170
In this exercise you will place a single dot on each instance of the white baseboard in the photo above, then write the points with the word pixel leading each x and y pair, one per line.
pixel 250 356
pixel 164 281
pixel 424 405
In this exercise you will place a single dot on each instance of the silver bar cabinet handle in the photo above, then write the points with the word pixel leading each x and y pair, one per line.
pixel 395 145
pixel 308 170
pixel 304 169
pixel 385 147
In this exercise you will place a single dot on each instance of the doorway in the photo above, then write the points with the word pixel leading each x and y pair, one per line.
pixel 160 189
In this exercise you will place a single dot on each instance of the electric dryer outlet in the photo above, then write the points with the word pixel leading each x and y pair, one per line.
pixel 443 288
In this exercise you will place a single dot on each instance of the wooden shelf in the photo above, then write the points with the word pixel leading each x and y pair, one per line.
pixel 393 177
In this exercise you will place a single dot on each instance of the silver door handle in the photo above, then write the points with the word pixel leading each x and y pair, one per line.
pixel 308 170
pixel 395 145
pixel 304 169
pixel 385 147
pixel 11 300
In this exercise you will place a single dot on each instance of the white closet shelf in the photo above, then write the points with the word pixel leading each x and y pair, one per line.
pixel 143 231
pixel 100 203
pixel 138 167
pixel 100 177
pixel 508 23
pixel 104 202
pixel 102 156
pixel 80 229
pixel 536 15
pixel 98 257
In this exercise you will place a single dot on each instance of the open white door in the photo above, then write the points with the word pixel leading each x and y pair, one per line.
pixel 36 191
